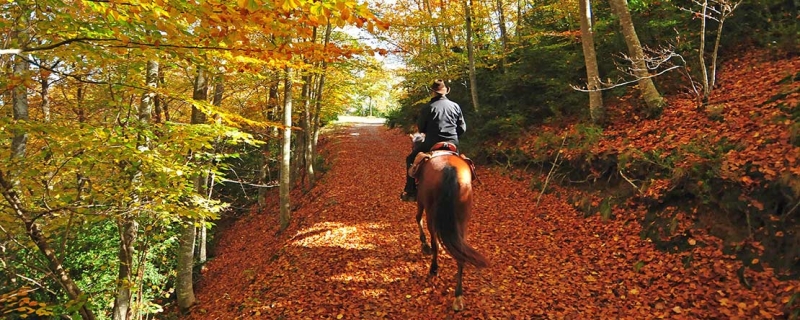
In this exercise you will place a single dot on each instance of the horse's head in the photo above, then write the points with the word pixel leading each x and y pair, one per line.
pixel 416 139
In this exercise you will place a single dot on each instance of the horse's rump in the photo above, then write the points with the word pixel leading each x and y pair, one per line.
pixel 451 214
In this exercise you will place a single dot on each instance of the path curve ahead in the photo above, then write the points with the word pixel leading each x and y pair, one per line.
pixel 352 252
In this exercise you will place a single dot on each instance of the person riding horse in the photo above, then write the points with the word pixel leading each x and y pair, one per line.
pixel 441 121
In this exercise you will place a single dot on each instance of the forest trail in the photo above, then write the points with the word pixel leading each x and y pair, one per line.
pixel 352 252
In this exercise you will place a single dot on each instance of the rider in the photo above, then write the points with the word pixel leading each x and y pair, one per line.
pixel 441 120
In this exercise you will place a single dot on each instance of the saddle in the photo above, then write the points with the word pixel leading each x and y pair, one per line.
pixel 439 149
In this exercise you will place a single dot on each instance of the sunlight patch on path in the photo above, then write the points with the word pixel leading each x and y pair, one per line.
pixel 378 272
pixel 373 293
pixel 335 234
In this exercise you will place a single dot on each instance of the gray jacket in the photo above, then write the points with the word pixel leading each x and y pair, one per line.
pixel 441 120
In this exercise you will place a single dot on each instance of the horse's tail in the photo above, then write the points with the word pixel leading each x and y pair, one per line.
pixel 450 225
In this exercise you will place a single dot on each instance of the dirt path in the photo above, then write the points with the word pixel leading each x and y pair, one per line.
pixel 352 252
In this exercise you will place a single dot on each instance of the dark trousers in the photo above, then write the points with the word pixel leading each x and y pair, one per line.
pixel 423 147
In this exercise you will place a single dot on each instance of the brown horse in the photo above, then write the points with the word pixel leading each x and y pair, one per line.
pixel 445 195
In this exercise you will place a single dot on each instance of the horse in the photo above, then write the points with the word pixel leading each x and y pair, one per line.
pixel 444 193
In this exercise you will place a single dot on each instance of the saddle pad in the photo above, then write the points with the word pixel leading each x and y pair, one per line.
pixel 423 157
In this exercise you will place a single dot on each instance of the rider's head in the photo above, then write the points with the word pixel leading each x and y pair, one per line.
pixel 439 87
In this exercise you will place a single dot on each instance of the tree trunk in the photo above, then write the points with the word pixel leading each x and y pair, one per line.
pixel 127 235
pixel 725 11
pixel 127 224
pixel 473 83
pixel 45 94
pixel 517 28
pixel 162 101
pixel 503 35
pixel 219 89
pixel 318 108
pixel 309 140
pixel 436 37
pixel 20 108
pixel 285 187
pixel 650 95
pixel 702 55
pixel 273 107
pixel 276 106
pixel 302 143
pixel 148 98
pixel 596 110
pixel 713 77
pixel 184 282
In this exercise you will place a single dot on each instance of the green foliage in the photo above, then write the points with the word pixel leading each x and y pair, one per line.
pixel 766 23
pixel 507 128
pixel 97 176
pixel 585 137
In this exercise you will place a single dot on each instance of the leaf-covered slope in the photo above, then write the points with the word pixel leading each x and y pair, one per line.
pixel 353 252
pixel 753 111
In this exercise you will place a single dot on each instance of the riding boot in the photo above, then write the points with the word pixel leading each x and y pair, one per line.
pixel 410 190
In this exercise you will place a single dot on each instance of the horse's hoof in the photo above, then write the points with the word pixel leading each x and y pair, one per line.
pixel 433 273
pixel 458 304
pixel 426 250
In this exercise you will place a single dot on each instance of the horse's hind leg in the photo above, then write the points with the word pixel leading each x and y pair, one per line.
pixel 458 304
pixel 426 249
pixel 434 250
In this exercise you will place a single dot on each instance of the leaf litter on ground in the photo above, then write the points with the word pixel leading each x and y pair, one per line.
pixel 352 252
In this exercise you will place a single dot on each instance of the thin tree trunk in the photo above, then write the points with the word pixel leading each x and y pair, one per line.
pixel 436 36
pixel 79 103
pixel 650 95
pixel 285 214
pixel 273 98
pixel 318 108
pixel 503 35
pixel 184 282
pixel 308 127
pixel 596 110
pixel 702 55
pixel 162 101
pixel 20 108
pixel 127 233
pixel 713 78
pixel 272 105
pixel 473 83
pixel 157 110
pixel 304 138
pixel 140 278
pixel 219 89
pixel 127 224
pixel 148 98
pixel 45 94
pixel 517 28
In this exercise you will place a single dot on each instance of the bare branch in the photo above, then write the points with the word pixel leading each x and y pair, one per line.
pixel 609 86
pixel 629 181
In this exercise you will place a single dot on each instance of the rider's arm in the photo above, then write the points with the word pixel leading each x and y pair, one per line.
pixel 422 121
pixel 461 126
